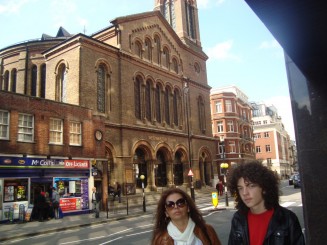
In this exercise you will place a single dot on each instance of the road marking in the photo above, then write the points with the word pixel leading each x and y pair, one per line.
pixel 287 204
pixel 95 238
pixel 136 234
pixel 111 240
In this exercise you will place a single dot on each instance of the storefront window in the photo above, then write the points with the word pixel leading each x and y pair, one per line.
pixel 15 190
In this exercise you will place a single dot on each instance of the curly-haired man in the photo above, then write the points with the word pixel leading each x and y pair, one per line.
pixel 260 219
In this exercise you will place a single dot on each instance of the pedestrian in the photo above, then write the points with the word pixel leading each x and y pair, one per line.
pixel 117 192
pixel 220 188
pixel 48 212
pixel 96 198
pixel 259 218
pixel 40 203
pixel 178 221
pixel 55 202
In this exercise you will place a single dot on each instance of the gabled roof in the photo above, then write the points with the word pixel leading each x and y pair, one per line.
pixel 61 34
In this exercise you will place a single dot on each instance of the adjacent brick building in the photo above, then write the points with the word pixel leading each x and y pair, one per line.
pixel 231 124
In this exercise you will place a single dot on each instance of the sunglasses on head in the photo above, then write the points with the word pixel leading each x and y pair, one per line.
pixel 180 203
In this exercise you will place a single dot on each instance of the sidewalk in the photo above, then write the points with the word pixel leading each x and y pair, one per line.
pixel 9 231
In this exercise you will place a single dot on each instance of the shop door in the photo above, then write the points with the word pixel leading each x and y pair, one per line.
pixel 45 184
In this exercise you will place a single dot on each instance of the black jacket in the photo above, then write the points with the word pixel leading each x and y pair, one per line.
pixel 97 196
pixel 284 229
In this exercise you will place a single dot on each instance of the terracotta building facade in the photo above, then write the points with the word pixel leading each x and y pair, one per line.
pixel 129 100
pixel 231 125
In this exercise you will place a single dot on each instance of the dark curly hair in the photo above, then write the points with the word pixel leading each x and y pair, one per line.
pixel 161 221
pixel 258 174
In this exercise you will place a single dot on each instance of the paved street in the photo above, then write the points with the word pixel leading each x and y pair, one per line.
pixel 134 229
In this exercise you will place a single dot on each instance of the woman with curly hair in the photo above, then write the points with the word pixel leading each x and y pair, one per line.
pixel 178 221
pixel 260 219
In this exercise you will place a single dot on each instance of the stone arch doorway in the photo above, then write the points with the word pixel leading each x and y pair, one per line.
pixel 206 168
pixel 160 169
pixel 178 170
pixel 140 167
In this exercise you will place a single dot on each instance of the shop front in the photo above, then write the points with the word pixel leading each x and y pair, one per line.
pixel 20 177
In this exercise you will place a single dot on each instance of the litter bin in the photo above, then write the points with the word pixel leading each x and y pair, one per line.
pixel 11 214
pixel 198 184
pixel 21 215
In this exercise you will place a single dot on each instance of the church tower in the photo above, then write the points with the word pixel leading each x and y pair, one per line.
pixel 182 15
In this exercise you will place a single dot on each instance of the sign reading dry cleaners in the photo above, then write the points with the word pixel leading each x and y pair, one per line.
pixel 21 162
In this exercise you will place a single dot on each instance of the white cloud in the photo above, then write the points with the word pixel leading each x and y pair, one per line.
pixel 202 3
pixel 222 51
pixel 218 2
pixel 269 44
pixel 205 3
pixel 12 6
pixel 284 109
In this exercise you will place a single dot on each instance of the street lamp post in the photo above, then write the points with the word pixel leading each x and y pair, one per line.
pixel 224 167
pixel 142 177
pixel 186 93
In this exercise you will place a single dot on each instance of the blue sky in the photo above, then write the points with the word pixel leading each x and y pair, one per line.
pixel 241 50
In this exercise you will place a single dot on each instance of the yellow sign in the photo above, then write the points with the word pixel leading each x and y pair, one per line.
pixel 214 196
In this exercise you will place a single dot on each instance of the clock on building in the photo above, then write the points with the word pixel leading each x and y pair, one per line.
pixel 98 135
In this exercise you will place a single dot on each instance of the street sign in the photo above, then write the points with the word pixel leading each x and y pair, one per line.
pixel 190 173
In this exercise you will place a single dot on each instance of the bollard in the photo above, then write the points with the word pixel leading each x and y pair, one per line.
pixel 107 201
pixel 127 204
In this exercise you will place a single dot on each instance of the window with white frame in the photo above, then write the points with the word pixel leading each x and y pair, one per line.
pixel 229 106
pixel 257 136
pixel 268 148
pixel 56 131
pixel 230 126
pixel 25 127
pixel 265 122
pixel 220 127
pixel 219 108
pixel 75 133
pixel 232 146
pixel 4 125
pixel 258 149
pixel 266 134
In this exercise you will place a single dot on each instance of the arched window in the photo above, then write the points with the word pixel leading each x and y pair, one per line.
pixel 190 19
pixel 101 88
pixel 167 104
pixel 6 81
pixel 165 58
pixel 175 106
pixel 169 12
pixel 202 119
pixel 175 65
pixel 13 80
pixel 137 97
pixel 61 83
pixel 43 80
pixel 148 100
pixel 138 49
pixel 158 103
pixel 148 50
pixel 157 50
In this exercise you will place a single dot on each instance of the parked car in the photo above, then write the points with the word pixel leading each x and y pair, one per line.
pixel 297 181
pixel 291 179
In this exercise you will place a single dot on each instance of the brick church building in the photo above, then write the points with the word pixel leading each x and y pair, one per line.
pixel 131 99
